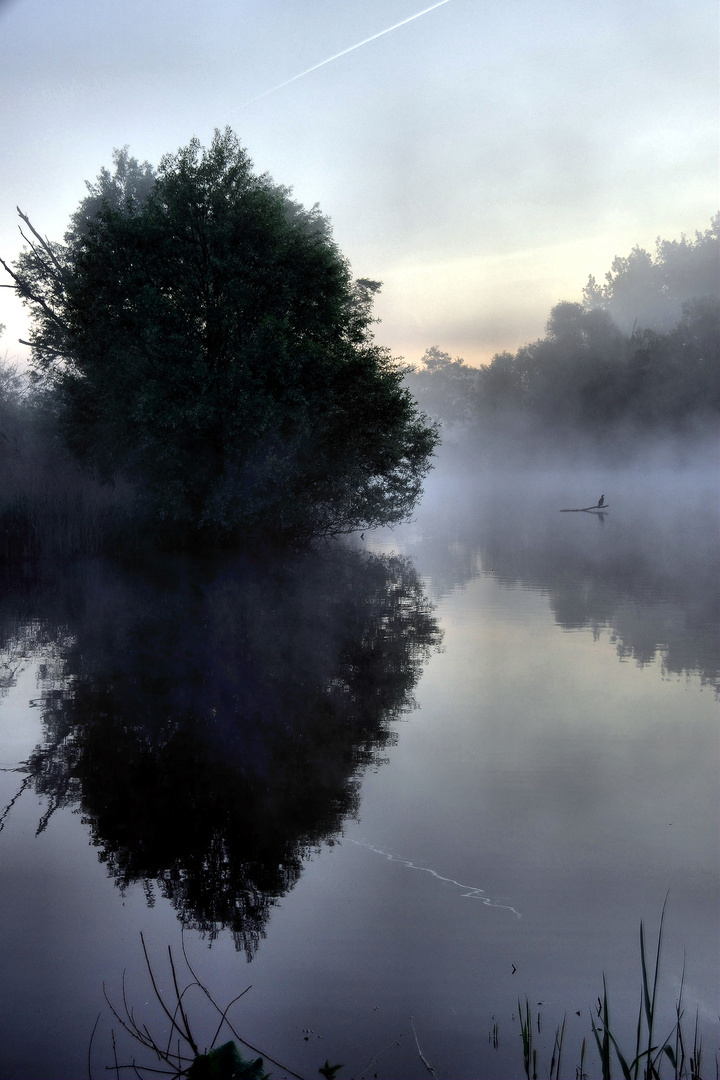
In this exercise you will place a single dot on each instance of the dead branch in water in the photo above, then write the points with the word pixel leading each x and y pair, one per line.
pixel 586 509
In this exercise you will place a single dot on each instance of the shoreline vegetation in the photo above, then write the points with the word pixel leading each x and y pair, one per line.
pixel 204 373
pixel 632 368
pixel 677 1053
pixel 200 346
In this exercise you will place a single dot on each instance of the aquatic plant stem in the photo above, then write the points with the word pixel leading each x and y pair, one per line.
pixel 424 1060
pixel 239 1037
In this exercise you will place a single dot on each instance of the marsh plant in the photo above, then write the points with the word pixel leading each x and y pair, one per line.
pixel 178 1051
pixel 182 1052
pixel 672 1054
pixel 676 1053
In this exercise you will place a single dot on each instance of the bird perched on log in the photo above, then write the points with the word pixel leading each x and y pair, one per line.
pixel 601 500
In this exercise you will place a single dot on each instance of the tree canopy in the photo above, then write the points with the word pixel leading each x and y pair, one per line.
pixel 649 293
pixel 639 354
pixel 204 338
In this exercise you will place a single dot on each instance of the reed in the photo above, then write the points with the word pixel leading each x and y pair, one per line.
pixel 680 1056
pixel 179 1053
pixel 52 509
pixel 526 1031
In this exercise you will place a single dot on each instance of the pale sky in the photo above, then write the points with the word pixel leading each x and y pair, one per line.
pixel 480 160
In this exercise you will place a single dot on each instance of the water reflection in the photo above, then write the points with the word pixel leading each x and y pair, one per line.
pixel 212 720
pixel 646 572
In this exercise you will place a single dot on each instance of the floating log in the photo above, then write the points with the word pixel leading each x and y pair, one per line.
pixel 587 510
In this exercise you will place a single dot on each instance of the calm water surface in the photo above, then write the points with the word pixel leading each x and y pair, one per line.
pixel 419 775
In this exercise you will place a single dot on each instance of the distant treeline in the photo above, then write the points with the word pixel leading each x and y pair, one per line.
pixel 638 357
pixel 640 353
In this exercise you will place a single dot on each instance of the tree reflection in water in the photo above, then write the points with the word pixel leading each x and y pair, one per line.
pixel 212 720
pixel 646 573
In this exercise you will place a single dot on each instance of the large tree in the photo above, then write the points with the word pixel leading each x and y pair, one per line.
pixel 205 339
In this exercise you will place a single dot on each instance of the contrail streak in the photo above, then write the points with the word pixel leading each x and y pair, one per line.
pixel 344 52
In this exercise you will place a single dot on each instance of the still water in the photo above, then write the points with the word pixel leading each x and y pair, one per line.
pixel 393 785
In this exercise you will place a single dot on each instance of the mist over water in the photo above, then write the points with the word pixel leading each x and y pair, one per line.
pixel 645 571
pixel 421 773
pixel 577 700
pixel 378 791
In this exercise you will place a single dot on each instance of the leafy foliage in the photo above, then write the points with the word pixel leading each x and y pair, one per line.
pixel 329 1071
pixel 445 386
pixel 205 340
pixel 588 374
pixel 650 292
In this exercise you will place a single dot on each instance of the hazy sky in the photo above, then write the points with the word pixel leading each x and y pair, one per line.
pixel 480 160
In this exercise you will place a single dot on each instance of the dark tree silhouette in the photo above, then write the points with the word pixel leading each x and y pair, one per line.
pixel 212 721
pixel 204 338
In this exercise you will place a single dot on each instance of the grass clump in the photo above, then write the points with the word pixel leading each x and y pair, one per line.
pixel 676 1054
pixel 679 1053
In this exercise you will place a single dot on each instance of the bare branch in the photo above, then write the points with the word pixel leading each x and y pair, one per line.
pixel 224 1018
pixel 187 1033
pixel 92 1036
pixel 12 274
pixel 131 1027
pixel 40 260
pixel 184 1034
pixel 27 292
pixel 44 243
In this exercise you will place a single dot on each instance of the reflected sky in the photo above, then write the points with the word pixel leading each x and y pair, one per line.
pixel 644 575
pixel 565 755
pixel 556 780
pixel 552 774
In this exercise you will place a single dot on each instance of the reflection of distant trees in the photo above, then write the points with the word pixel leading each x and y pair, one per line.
pixel 645 617
pixel 26 635
pixel 652 585
pixel 212 721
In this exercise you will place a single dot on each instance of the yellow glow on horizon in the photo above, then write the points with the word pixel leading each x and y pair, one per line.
pixel 475 306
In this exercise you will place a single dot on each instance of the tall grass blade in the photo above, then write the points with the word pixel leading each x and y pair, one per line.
pixel 679 1045
pixel 557 1048
pixel 583 1048
pixel 696 1059
pixel 526 1033
pixel 638 1033
pixel 651 1009
pixel 643 963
